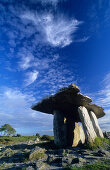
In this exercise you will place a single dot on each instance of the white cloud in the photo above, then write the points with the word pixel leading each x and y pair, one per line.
pixel 58 32
pixel 102 98
pixel 15 109
pixel 44 2
pixel 82 39
pixel 31 77
pixel 54 2
pixel 26 61
pixel 104 93
pixel 55 57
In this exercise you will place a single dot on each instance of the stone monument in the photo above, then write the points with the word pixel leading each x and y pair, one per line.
pixel 70 107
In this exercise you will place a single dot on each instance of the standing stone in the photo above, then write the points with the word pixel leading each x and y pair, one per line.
pixel 82 135
pixel 95 124
pixel 79 136
pixel 87 124
pixel 59 128
pixel 70 123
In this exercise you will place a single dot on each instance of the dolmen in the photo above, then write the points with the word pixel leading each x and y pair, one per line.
pixel 69 107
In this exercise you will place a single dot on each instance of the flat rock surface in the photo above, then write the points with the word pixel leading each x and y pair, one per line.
pixel 17 157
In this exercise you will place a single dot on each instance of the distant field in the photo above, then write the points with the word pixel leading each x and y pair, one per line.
pixel 9 139
pixel 15 139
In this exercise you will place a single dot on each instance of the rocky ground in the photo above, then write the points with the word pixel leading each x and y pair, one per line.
pixel 43 156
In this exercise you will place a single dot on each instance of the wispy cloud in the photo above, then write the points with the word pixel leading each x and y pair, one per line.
pixel 26 61
pixel 104 93
pixel 32 39
pixel 46 2
pixel 54 2
pixel 102 98
pixel 82 39
pixel 58 31
pixel 31 77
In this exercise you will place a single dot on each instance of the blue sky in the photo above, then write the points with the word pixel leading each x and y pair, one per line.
pixel 46 45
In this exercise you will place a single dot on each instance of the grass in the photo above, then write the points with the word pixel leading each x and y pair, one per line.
pixel 105 165
pixel 13 140
pixel 102 142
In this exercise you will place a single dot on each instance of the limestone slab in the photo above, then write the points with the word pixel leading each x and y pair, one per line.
pixel 87 124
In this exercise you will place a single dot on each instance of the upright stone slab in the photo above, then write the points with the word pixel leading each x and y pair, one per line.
pixel 79 136
pixel 95 124
pixel 60 129
pixel 82 135
pixel 87 124
pixel 70 123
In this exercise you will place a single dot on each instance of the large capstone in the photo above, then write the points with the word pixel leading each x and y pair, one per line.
pixel 67 100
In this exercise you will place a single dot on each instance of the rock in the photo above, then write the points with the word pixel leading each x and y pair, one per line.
pixel 29 168
pixel 36 140
pixel 81 160
pixel 79 136
pixel 37 153
pixel 76 133
pixel 30 142
pixel 66 161
pixel 40 165
pixel 78 160
pixel 95 124
pixel 75 160
pixel 106 135
pixel 60 131
pixel 74 88
pixel 53 159
pixel 98 111
pixel 64 106
pixel 87 124
pixel 102 153
pixel 82 135
pixel 65 100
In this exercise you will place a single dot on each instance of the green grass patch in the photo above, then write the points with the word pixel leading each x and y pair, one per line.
pixel 105 165
pixel 103 142
pixel 14 140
